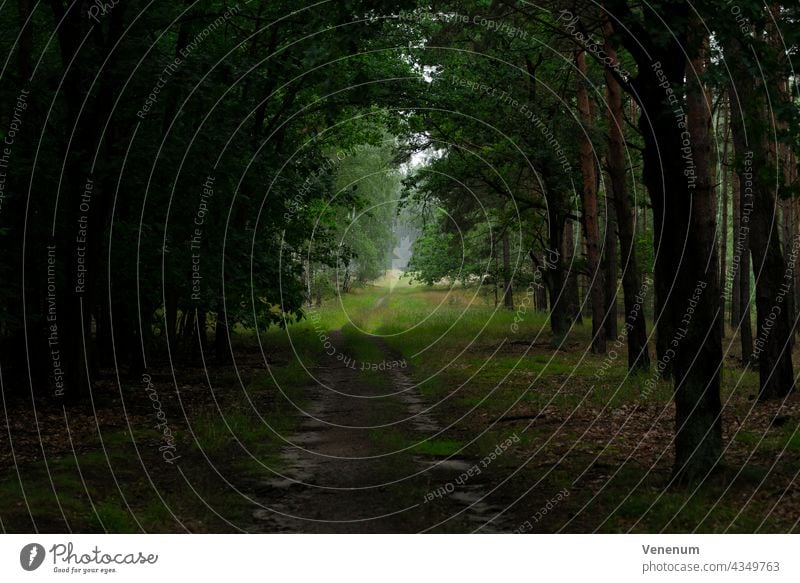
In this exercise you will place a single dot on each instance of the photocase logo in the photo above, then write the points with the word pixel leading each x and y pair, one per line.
pixel 31 556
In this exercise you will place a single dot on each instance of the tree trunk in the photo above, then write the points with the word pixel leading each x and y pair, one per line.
pixel 796 208
pixel 744 324
pixel 788 244
pixel 635 322
pixel 610 269
pixel 496 274
pixel 724 226
pixel 684 221
pixel 105 354
pixel 698 361
pixel 783 158
pixel 772 346
pixel 551 266
pixel 591 225
pixel 199 334
pixel 740 249
pixel 508 292
pixel 570 296
pixel 222 347
pixel 73 322
pixel 541 298
pixel 171 317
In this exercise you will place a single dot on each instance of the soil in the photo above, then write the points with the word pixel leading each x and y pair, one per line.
pixel 339 477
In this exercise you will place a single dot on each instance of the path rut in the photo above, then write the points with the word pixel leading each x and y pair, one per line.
pixel 339 475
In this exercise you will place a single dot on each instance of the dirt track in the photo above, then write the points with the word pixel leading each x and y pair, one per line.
pixel 340 477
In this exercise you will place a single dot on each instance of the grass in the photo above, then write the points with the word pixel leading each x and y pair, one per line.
pixel 394 440
pixel 145 494
pixel 500 363
pixel 582 421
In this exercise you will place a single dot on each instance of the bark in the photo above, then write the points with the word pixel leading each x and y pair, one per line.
pixel 662 162
pixel 570 296
pixel 24 352
pixel 72 318
pixel 105 354
pixel 222 346
pixel 788 244
pixel 724 226
pixel 551 266
pixel 635 322
pixel 740 249
pixel 772 345
pixel 508 293
pixel 744 324
pixel 541 299
pixel 591 225
pixel 84 206
pixel 199 332
pixel 610 268
pixel 129 347
pixel 698 407
pixel 496 274
pixel 684 220
pixel 787 212
pixel 796 210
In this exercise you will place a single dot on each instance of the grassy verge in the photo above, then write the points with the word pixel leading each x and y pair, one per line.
pixel 585 423
pixel 109 473
pixel 584 426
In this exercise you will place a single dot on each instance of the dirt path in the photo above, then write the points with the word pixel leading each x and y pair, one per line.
pixel 340 474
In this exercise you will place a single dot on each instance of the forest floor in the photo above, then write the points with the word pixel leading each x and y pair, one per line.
pixel 363 460
pixel 395 409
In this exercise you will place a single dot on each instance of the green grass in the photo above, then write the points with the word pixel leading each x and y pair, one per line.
pixel 395 440
pixel 494 370
pixel 572 379
pixel 650 508
pixel 196 499
pixel 773 440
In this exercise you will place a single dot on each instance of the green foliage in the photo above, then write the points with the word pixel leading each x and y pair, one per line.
pixel 207 132
pixel 367 231
pixel 436 254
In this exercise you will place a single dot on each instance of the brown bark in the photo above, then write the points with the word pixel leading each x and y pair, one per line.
pixel 222 332
pixel 610 268
pixel 750 123
pixel 551 265
pixel 570 296
pixel 508 292
pixel 591 225
pixel 744 323
pixel 724 227
pixel 796 213
pixel 783 158
pixel 788 243
pixel 698 423
pixel 541 299
pixel 635 323
pixel 684 221
pixel 740 248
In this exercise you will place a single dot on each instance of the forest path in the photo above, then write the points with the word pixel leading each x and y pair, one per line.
pixel 350 466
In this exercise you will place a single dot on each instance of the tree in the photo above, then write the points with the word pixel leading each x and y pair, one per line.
pixel 635 323
pixel 684 217
pixel 751 124
pixel 591 225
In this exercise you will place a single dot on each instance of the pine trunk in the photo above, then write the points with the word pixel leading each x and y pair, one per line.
pixel 591 225
pixel 635 323
pixel 698 407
